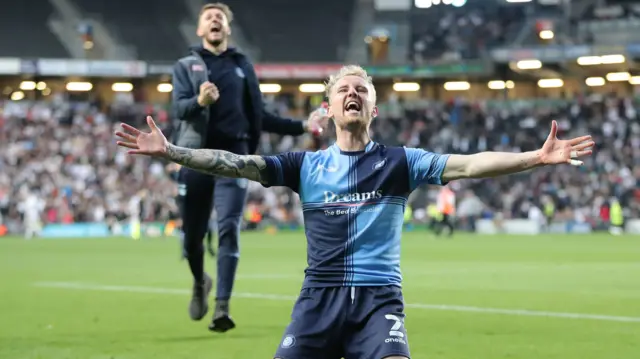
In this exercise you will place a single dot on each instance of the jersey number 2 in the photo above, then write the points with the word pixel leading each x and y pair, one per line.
pixel 395 329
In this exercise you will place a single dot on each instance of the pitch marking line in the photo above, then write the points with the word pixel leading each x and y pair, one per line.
pixel 278 297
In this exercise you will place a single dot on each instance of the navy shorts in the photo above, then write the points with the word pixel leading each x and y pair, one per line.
pixel 346 322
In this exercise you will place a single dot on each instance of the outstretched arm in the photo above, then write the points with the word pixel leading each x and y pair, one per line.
pixel 489 164
pixel 214 162
pixel 493 164
pixel 218 162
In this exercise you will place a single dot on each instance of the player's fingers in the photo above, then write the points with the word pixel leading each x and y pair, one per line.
pixel 554 130
pixel 575 162
pixel 580 139
pixel 126 136
pixel 583 153
pixel 152 124
pixel 130 129
pixel 577 154
pixel 127 144
pixel 583 146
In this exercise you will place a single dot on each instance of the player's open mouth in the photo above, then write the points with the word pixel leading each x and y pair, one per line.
pixel 352 107
pixel 216 29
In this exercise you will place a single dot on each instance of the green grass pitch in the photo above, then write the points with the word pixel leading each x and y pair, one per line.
pixel 472 297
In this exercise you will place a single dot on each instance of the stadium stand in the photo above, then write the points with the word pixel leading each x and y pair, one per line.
pixel 67 156
pixel 462 33
pixel 151 28
pixel 307 36
pixel 35 39
pixel 611 24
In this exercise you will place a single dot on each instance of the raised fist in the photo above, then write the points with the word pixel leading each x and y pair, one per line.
pixel 208 94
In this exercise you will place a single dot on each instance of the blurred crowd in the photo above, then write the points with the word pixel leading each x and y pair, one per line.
pixel 463 34
pixel 64 154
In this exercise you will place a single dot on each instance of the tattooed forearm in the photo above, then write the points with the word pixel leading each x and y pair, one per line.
pixel 221 163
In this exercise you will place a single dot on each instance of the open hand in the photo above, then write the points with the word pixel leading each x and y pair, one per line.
pixel 555 151
pixel 142 143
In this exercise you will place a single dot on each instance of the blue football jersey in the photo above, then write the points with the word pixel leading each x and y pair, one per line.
pixel 353 204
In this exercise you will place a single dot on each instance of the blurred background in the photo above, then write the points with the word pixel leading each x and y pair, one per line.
pixel 455 76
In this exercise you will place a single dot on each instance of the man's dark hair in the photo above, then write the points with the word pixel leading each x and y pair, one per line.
pixel 220 6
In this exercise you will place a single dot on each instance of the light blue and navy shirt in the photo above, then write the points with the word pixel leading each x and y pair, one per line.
pixel 353 204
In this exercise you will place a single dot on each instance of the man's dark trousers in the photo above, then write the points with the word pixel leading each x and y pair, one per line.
pixel 228 195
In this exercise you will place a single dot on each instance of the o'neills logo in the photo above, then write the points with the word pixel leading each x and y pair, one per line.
pixel 330 197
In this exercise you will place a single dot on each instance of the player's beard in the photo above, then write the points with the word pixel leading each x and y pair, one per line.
pixel 352 123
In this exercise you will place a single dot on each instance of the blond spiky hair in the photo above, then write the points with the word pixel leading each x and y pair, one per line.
pixel 349 70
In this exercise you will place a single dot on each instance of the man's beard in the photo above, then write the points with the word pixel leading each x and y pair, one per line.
pixel 217 42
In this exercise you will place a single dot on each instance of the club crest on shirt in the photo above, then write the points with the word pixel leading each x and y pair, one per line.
pixel 239 72
pixel 379 165
pixel 288 341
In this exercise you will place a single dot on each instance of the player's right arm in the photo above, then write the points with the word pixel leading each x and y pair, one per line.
pixel 220 163
pixel 269 171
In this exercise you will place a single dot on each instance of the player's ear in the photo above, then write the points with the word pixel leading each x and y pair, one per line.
pixel 199 31
pixel 374 113
pixel 329 112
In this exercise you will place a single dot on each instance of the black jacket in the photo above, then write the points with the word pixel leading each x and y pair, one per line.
pixel 189 73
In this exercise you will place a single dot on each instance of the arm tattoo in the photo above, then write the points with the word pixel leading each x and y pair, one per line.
pixel 218 162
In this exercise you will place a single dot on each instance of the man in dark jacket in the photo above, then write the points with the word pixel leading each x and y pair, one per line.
pixel 216 96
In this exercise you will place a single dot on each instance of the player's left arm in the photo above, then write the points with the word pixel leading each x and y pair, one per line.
pixel 489 164
pixel 493 164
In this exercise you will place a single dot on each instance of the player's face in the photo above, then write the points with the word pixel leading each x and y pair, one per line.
pixel 213 26
pixel 352 101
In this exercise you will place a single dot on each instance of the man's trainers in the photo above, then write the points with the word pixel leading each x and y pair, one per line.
pixel 198 307
pixel 222 321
